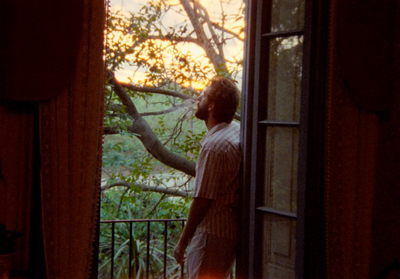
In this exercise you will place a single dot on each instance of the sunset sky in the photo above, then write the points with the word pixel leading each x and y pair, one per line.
pixel 231 49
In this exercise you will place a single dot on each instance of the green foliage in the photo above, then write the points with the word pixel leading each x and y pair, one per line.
pixel 168 57
pixel 139 250
pixel 125 158
pixel 128 205
pixel 190 143
pixel 159 57
pixel 119 203
pixel 142 40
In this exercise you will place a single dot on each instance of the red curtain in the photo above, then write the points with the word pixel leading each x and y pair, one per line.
pixel 16 126
pixel 70 140
pixel 351 143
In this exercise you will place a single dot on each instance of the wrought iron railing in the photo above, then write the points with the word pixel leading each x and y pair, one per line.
pixel 118 253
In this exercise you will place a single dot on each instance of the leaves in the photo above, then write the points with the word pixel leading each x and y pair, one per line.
pixel 135 204
pixel 167 65
pixel 173 58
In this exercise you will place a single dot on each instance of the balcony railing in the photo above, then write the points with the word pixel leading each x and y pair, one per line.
pixel 139 248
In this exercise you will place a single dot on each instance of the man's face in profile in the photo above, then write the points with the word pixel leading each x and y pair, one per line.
pixel 202 105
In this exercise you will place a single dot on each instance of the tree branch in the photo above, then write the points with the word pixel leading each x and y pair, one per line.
pixel 210 28
pixel 138 41
pixel 155 90
pixel 217 60
pixel 147 136
pixel 173 38
pixel 217 26
pixel 144 187
pixel 173 109
pixel 116 130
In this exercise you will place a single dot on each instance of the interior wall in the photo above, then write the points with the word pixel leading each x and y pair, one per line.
pixel 386 212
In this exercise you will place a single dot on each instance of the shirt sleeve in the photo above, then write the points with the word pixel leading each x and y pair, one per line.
pixel 208 174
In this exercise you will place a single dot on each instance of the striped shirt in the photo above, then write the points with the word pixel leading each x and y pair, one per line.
pixel 217 178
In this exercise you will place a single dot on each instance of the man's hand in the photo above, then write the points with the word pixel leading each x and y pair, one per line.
pixel 197 211
pixel 179 251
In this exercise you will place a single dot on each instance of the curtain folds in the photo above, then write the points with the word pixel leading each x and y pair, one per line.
pixel 70 140
pixel 16 126
pixel 351 143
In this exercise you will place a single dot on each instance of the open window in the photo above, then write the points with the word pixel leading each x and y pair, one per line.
pixel 280 103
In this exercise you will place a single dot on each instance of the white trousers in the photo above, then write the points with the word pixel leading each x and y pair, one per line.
pixel 210 257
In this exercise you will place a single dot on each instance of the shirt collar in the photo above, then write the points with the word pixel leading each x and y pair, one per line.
pixel 213 130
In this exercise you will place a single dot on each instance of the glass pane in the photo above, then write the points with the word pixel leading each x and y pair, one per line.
pixel 287 15
pixel 284 82
pixel 280 181
pixel 278 247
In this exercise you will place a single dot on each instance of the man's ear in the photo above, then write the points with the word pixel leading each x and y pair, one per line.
pixel 211 106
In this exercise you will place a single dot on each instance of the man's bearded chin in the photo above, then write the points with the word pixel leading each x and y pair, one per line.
pixel 201 113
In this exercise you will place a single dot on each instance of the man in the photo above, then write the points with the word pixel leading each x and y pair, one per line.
pixel 211 225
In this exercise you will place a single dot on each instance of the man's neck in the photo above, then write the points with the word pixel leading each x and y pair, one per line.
pixel 211 123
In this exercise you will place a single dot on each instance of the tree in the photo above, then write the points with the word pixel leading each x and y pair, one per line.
pixel 156 105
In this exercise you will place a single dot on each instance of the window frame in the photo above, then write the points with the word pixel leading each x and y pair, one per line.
pixel 310 235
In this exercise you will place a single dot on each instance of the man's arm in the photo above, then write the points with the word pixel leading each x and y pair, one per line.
pixel 198 209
